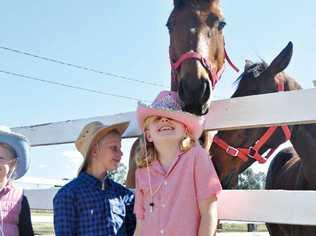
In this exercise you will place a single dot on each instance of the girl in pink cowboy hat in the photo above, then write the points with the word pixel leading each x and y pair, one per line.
pixel 176 183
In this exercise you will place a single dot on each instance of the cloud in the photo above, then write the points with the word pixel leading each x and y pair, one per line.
pixel 42 166
pixel 74 157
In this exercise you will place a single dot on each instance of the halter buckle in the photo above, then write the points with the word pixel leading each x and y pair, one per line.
pixel 252 152
pixel 232 151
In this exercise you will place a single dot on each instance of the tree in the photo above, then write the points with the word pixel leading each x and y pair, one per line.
pixel 119 174
pixel 250 180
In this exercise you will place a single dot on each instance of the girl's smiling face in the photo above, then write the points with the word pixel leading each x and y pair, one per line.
pixel 162 129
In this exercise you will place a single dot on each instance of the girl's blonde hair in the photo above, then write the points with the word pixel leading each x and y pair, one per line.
pixel 148 148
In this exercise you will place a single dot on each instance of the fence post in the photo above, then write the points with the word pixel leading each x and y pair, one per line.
pixel 251 227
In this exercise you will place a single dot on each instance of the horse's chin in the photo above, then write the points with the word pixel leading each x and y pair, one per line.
pixel 196 109
pixel 195 95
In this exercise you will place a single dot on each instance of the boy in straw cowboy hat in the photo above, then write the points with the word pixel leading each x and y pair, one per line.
pixel 93 204
pixel 176 183
pixel 15 216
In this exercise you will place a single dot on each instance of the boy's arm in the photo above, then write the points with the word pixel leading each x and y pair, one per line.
pixel 130 219
pixel 208 211
pixel 64 213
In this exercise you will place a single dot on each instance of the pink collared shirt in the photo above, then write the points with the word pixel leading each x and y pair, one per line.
pixel 177 192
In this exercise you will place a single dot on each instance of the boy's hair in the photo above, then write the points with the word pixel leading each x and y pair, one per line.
pixel 148 148
pixel 87 160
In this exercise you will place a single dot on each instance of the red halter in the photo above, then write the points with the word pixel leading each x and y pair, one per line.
pixel 253 151
pixel 215 77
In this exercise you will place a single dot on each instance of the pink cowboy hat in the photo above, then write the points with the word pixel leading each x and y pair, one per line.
pixel 167 104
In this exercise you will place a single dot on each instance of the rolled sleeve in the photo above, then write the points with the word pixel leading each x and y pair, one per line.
pixel 206 179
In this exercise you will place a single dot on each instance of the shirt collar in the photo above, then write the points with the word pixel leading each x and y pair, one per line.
pixel 6 188
pixel 156 167
pixel 92 180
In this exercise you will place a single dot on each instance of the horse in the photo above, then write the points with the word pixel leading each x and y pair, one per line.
pixel 291 169
pixel 197 53
pixel 197 56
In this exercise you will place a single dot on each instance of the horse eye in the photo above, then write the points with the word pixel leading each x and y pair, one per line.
pixel 170 23
pixel 169 26
pixel 221 24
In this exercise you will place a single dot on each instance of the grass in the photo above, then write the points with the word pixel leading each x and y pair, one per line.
pixel 43 228
pixel 40 228
pixel 240 228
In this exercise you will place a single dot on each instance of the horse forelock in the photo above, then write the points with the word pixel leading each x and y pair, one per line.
pixel 214 5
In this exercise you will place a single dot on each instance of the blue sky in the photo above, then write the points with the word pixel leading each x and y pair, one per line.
pixel 128 38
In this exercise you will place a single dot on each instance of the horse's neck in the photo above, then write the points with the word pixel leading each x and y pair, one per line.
pixel 304 142
pixel 304 139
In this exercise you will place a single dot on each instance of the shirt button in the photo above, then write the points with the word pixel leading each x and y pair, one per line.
pixel 163 205
pixel 162 231
pixel 165 183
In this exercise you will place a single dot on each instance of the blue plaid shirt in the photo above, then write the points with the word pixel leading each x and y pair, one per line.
pixel 81 207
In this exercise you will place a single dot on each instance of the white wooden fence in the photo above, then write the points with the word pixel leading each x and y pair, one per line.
pixel 278 206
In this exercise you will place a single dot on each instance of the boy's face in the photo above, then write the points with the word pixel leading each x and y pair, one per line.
pixel 6 162
pixel 162 129
pixel 107 152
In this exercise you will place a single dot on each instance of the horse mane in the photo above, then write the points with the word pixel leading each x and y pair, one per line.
pixel 251 72
pixel 181 3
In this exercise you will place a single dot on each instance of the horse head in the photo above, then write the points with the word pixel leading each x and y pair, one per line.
pixel 196 51
pixel 234 151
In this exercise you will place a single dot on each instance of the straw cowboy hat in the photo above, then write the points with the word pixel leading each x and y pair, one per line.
pixel 92 133
pixel 167 104
pixel 22 148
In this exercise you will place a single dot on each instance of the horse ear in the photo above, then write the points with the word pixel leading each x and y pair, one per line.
pixel 282 60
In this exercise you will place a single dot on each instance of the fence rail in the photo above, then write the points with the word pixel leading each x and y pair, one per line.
pixel 274 206
pixel 293 107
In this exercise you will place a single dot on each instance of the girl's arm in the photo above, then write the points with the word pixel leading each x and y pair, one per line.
pixel 208 211
pixel 138 227
pixel 25 224
pixel 207 188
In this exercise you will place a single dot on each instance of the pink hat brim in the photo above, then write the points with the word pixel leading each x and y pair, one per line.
pixel 192 122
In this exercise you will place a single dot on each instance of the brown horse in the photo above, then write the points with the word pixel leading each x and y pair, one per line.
pixel 196 50
pixel 290 169
pixel 197 56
